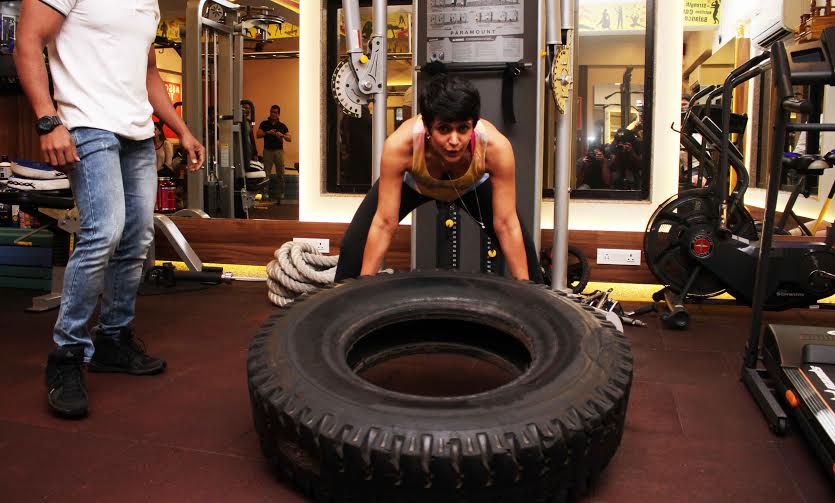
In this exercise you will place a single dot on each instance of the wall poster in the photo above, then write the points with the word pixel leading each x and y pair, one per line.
pixel 475 31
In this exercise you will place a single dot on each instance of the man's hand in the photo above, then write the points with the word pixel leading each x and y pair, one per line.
pixel 58 149
pixel 196 152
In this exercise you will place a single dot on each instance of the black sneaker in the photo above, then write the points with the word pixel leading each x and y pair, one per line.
pixel 128 356
pixel 66 394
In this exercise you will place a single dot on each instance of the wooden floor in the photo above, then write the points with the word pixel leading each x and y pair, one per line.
pixel 693 434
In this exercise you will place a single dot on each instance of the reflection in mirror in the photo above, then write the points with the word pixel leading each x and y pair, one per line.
pixel 271 83
pixel 705 68
pixel 614 141
pixel 796 142
pixel 612 84
pixel 270 77
pixel 349 138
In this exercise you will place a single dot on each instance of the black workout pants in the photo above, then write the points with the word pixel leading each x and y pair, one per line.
pixel 352 247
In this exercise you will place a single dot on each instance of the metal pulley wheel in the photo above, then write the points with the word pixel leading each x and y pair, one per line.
pixel 560 77
pixel 215 12
pixel 346 90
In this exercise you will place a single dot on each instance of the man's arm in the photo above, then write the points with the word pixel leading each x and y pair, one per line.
pixel 397 154
pixel 286 135
pixel 161 103
pixel 39 25
pixel 501 164
pixel 260 133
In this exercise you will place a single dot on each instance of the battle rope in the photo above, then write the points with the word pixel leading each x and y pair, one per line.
pixel 298 268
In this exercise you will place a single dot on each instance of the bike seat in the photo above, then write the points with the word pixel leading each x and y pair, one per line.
pixel 808 164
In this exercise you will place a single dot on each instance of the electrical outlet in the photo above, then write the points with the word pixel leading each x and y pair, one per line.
pixel 321 245
pixel 616 256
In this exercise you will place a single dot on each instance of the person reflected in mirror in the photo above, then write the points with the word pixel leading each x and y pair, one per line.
pixel 247 116
pixel 593 170
pixel 275 133
pixel 446 153
pixel 625 158
pixel 102 135
pixel 164 152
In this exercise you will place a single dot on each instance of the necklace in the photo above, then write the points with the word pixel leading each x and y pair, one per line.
pixel 480 219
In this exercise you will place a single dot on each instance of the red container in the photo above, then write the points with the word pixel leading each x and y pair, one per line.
pixel 166 196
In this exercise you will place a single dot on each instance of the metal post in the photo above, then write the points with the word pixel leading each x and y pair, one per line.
pixel 779 67
pixel 194 108
pixel 562 173
pixel 378 125
pixel 353 35
pixel 205 41
pixel 553 22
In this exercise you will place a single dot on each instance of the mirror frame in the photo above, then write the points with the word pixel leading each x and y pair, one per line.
pixel 649 87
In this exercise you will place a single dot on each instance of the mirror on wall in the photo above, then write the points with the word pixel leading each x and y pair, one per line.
pixel 348 166
pixel 270 78
pixel 271 83
pixel 612 86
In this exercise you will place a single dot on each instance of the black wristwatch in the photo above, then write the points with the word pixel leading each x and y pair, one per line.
pixel 47 124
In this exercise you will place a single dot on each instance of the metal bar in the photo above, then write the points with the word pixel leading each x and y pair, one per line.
pixel 779 64
pixel 206 75
pixel 208 23
pixel 194 96
pixel 353 36
pixel 178 242
pixel 563 164
pixel 378 134
pixel 810 127
pixel 271 54
pixel 553 22
pixel 479 67
pixel 737 77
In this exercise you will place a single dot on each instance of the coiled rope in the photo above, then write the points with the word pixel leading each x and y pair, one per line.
pixel 298 268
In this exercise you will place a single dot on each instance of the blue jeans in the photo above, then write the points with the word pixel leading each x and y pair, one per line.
pixel 114 186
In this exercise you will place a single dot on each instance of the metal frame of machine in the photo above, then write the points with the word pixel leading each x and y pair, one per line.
pixel 798 363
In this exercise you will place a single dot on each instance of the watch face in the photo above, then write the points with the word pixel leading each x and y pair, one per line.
pixel 47 124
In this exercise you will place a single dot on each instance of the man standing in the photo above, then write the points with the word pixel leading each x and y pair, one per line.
pixel 275 133
pixel 106 83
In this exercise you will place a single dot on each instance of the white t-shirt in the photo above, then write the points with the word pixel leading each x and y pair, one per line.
pixel 99 64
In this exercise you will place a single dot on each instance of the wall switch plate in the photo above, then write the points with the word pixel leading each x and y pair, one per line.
pixel 321 245
pixel 617 256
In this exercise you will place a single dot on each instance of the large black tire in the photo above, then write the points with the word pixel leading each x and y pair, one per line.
pixel 544 436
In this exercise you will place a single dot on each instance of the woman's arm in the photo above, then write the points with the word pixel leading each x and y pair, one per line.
pixel 501 164
pixel 397 157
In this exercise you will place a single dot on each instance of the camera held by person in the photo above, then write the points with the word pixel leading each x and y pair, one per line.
pixel 626 156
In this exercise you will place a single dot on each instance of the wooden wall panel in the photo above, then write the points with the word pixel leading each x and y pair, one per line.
pixel 253 242
pixel 18 138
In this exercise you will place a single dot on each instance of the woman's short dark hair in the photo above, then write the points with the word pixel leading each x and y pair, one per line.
pixel 449 98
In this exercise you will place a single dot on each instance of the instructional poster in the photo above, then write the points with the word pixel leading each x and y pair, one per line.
pixel 475 31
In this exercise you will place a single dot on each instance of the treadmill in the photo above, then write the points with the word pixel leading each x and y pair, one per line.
pixel 794 369
pixel 801 361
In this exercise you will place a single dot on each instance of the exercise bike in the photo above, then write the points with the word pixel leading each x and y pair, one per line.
pixel 703 242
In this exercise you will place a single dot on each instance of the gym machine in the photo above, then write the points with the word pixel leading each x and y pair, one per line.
pixel 441 237
pixel 703 242
pixel 798 363
pixel 213 82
